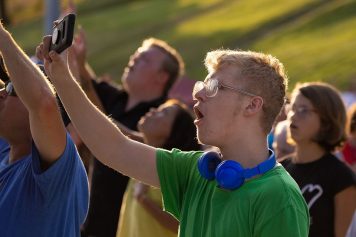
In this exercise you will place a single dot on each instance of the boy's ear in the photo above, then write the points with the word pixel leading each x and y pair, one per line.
pixel 254 106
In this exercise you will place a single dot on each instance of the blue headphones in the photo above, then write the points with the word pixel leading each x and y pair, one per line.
pixel 230 174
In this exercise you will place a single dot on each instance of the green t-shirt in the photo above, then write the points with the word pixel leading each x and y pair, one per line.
pixel 270 205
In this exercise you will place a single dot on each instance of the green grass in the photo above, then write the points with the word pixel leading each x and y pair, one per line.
pixel 320 46
pixel 316 40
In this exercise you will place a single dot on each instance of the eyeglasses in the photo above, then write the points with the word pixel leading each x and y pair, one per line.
pixel 212 87
pixel 300 111
pixel 9 88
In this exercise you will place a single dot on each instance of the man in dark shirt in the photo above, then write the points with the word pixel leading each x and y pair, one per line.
pixel 150 73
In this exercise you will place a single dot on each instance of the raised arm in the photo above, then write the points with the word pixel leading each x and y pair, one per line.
pixel 38 97
pixel 101 136
pixel 86 73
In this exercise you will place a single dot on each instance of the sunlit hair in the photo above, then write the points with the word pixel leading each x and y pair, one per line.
pixel 173 63
pixel 183 131
pixel 351 119
pixel 328 104
pixel 259 73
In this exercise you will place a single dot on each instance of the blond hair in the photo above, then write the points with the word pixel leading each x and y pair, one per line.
pixel 262 75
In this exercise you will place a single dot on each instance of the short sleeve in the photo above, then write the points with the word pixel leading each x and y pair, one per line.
pixel 174 170
pixel 345 178
pixel 67 172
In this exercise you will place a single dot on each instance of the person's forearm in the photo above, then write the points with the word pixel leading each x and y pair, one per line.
pixel 101 136
pixel 38 97
pixel 128 132
pixel 94 98
pixel 92 95
pixel 87 74
pixel 28 80
pixel 95 125
pixel 89 90
pixel 165 219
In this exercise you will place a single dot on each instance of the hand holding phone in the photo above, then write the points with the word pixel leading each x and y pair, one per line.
pixel 62 35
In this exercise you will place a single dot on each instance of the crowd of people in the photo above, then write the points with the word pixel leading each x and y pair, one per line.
pixel 82 156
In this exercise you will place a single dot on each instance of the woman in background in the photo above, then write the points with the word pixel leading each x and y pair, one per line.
pixel 317 120
pixel 169 126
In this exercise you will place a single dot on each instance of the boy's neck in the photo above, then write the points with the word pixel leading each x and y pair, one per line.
pixel 249 154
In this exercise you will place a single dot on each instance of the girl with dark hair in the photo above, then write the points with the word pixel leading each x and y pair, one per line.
pixel 317 120
pixel 169 126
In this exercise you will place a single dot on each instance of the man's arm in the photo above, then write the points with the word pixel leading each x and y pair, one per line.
pixel 36 94
pixel 102 137
pixel 85 73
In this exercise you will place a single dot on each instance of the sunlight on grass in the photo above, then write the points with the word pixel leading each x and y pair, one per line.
pixel 237 15
pixel 316 40
pixel 312 52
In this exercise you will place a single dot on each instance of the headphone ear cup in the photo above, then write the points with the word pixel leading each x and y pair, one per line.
pixel 207 164
pixel 229 175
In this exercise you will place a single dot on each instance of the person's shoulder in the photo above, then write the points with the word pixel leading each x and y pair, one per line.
pixel 286 160
pixel 333 159
pixel 279 176
pixel 4 155
pixel 334 163
pixel 341 170
pixel 69 154
pixel 280 190
pixel 105 89
pixel 177 158
pixel 3 143
pixel 4 147
pixel 70 148
pixel 177 153
pixel 280 183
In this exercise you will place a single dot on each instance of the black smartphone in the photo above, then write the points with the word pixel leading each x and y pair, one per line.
pixel 62 36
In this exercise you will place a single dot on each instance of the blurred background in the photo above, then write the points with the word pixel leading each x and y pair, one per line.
pixel 316 40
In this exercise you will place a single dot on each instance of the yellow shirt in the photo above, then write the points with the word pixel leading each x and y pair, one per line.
pixel 135 221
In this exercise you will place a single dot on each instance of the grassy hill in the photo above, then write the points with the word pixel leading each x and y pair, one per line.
pixel 316 40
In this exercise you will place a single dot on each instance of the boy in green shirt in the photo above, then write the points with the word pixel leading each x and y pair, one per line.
pixel 268 205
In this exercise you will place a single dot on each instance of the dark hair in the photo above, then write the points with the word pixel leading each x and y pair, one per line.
pixel 183 132
pixel 172 64
pixel 329 106
pixel 4 76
